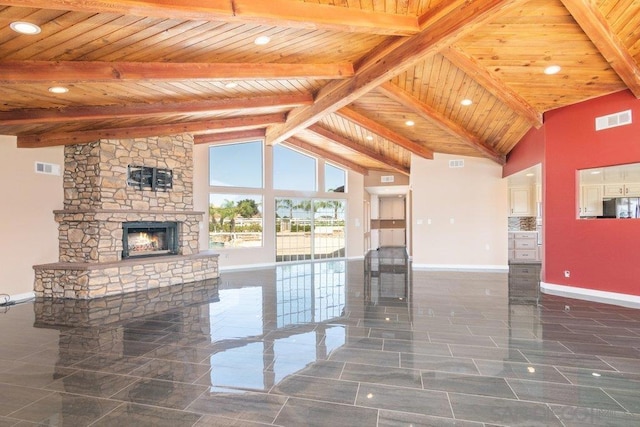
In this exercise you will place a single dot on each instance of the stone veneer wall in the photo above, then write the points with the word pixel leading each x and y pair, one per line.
pixel 97 200
pixel 95 174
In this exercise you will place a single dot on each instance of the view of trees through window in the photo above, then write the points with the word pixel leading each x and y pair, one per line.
pixel 306 228
pixel 235 221
pixel 309 229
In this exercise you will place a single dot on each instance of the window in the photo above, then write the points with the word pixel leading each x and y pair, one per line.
pixel 236 165
pixel 235 221
pixel 293 170
pixel 334 179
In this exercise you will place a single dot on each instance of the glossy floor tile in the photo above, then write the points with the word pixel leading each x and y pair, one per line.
pixel 330 343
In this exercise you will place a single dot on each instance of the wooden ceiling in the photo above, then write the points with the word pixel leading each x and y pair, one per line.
pixel 338 78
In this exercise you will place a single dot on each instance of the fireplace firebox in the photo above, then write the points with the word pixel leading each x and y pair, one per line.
pixel 146 239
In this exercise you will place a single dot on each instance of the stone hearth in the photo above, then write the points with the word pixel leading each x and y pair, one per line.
pixel 97 201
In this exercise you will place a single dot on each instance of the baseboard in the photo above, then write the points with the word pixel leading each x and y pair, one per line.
pixel 462 267
pixel 18 298
pixel 246 267
pixel 605 297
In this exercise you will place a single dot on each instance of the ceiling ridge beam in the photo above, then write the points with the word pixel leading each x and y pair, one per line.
pixel 427 112
pixel 14 72
pixel 205 126
pixel 595 26
pixel 440 33
pixel 493 84
pixel 327 155
pixel 384 132
pixel 352 145
pixel 66 114
pixel 282 13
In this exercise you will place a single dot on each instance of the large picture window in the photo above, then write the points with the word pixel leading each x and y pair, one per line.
pixel 235 221
pixel 224 170
pixel 334 179
pixel 293 170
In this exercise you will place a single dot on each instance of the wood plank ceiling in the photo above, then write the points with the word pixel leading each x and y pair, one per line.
pixel 337 78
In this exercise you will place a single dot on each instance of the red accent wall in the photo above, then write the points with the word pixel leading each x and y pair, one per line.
pixel 527 153
pixel 601 254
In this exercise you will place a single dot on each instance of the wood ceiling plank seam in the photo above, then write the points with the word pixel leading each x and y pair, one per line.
pixel 211 43
pixel 125 38
pixel 92 40
pixel 9 38
pixel 15 43
pixel 598 30
pixel 174 36
pixel 72 35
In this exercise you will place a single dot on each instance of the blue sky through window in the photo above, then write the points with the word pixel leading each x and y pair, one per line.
pixel 236 165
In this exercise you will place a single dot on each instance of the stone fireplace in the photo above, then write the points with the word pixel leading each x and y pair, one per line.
pixel 116 236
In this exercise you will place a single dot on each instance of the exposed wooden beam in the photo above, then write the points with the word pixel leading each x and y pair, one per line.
pixel 352 145
pixel 376 128
pixel 440 33
pixel 58 115
pixel 493 84
pixel 324 16
pixel 426 111
pixel 211 138
pixel 14 72
pixel 81 137
pixel 282 13
pixel 595 26
pixel 327 155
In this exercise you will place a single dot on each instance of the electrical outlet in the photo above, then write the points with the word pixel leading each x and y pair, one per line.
pixel 567 273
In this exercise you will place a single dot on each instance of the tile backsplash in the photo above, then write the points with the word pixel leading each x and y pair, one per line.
pixel 522 223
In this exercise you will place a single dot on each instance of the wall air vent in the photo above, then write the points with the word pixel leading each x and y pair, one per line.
pixel 613 120
pixel 387 178
pixel 456 163
pixel 47 168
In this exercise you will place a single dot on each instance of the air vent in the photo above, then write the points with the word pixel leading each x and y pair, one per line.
pixel 613 120
pixel 456 163
pixel 47 168
pixel 387 178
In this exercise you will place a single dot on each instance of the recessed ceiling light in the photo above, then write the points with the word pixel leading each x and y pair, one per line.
pixel 530 174
pixel 369 138
pixel 24 27
pixel 531 370
pixel 595 374
pixel 231 85
pixel 552 69
pixel 262 40
pixel 409 123
pixel 58 89
pixel 595 172
pixel 466 102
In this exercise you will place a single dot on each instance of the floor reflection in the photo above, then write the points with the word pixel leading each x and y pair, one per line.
pixel 369 341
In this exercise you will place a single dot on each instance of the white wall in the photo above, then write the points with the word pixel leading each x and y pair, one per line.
pixel 27 226
pixel 459 217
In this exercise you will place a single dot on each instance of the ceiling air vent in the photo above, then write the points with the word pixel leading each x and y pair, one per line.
pixel 456 163
pixel 613 120
pixel 387 178
pixel 47 168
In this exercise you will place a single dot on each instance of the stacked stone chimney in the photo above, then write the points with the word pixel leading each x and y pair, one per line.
pixel 98 200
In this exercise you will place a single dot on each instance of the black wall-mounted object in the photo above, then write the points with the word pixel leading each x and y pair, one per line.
pixel 145 177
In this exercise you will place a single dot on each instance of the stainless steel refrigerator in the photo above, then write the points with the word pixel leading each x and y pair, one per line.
pixel 621 207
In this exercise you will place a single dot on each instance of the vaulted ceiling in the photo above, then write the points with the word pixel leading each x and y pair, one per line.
pixel 338 78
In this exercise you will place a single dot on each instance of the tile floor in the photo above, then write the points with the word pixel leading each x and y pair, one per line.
pixel 322 344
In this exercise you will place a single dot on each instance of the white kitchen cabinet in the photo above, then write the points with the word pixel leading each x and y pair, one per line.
pixel 622 190
pixel 523 246
pixel 521 202
pixel 391 208
pixel 591 200
pixel 392 237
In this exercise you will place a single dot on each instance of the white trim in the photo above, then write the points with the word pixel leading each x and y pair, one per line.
pixel 22 297
pixel 355 257
pixel 462 267
pixel 246 267
pixel 605 297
